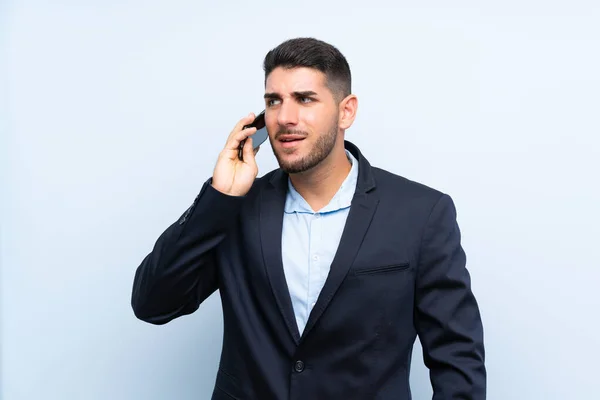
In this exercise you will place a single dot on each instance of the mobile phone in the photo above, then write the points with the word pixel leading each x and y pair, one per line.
pixel 259 136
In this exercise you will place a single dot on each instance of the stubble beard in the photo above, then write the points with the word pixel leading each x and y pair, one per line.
pixel 319 152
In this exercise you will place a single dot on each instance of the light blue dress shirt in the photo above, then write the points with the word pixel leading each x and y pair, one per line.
pixel 310 240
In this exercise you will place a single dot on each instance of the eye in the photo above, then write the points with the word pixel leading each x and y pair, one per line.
pixel 272 102
pixel 305 99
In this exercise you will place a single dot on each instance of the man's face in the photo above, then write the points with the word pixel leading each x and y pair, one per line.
pixel 301 117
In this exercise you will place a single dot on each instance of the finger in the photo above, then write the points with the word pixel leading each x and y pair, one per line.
pixel 234 142
pixel 240 124
pixel 248 151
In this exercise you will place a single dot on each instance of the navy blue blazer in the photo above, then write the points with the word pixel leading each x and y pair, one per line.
pixel 399 272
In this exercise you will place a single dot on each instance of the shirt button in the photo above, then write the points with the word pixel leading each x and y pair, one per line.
pixel 299 366
pixel 315 258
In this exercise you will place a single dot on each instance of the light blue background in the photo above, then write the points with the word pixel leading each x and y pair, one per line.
pixel 113 114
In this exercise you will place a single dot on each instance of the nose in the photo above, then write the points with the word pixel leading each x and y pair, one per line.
pixel 287 114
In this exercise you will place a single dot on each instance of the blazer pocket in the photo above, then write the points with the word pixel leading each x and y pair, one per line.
pixel 382 269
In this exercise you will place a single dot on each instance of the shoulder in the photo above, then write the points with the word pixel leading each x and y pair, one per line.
pixel 389 183
pixel 397 191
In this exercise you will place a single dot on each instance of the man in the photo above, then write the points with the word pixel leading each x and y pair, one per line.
pixel 327 267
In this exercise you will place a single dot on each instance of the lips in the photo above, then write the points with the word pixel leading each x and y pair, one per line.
pixel 290 138
pixel 289 141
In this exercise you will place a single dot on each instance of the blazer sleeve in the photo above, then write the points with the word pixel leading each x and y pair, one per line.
pixel 447 316
pixel 181 270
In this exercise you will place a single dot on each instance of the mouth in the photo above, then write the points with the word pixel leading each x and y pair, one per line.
pixel 288 141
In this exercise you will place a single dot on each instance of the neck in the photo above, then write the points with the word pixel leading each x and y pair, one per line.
pixel 320 184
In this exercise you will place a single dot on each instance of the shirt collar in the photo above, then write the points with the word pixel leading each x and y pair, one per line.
pixel 343 198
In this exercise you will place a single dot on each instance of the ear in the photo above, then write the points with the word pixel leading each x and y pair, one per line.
pixel 347 111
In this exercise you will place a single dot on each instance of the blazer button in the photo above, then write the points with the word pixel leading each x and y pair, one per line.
pixel 299 366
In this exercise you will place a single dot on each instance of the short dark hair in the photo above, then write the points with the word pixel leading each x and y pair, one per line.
pixel 312 53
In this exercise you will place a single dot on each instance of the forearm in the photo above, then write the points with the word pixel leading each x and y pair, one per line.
pixel 181 271
pixel 448 318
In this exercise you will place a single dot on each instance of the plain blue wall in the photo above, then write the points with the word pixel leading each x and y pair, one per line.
pixel 117 111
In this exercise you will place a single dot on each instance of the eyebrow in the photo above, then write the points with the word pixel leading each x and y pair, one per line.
pixel 305 93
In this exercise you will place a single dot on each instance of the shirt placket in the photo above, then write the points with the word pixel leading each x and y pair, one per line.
pixel 316 254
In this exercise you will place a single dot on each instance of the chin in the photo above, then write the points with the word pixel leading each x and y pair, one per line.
pixel 295 163
pixel 290 163
pixel 295 168
pixel 289 154
pixel 304 156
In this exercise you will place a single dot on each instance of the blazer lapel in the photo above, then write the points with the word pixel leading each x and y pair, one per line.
pixel 359 218
pixel 272 206
pixel 271 222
